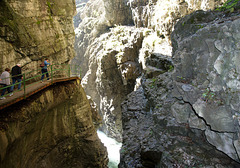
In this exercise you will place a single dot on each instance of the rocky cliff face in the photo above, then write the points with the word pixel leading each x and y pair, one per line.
pixel 213 49
pixel 189 88
pixel 31 30
pixel 53 128
pixel 102 46
pixel 51 131
pixel 178 114
pixel 114 72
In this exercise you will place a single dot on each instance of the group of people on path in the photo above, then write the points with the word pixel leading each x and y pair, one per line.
pixel 17 76
pixel 5 79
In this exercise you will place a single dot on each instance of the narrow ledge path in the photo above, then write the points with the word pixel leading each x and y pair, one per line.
pixel 30 90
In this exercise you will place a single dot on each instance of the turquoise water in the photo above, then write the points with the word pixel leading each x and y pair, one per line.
pixel 113 148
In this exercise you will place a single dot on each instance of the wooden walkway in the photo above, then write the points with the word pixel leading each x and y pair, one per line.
pixel 30 90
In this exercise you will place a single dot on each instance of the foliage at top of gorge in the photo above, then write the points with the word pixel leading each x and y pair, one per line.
pixel 230 6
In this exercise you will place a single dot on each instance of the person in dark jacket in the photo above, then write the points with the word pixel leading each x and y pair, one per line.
pixel 17 76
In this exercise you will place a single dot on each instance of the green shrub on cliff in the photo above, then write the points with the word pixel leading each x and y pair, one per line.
pixel 229 6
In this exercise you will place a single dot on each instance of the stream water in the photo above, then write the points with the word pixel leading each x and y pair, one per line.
pixel 113 148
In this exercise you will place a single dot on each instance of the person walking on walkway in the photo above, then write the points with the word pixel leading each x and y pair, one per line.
pixel 17 76
pixel 5 81
pixel 44 70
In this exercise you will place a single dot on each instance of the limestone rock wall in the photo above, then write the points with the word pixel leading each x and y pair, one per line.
pixel 96 19
pixel 53 128
pixel 33 29
pixel 114 69
pixel 108 78
pixel 156 132
pixel 184 110
pixel 194 103
pixel 162 15
pixel 118 12
pixel 189 87
pixel 213 77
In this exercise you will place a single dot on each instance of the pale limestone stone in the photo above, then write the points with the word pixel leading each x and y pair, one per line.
pixel 181 112
pixel 223 142
pixel 37 29
pixel 196 122
pixel 218 117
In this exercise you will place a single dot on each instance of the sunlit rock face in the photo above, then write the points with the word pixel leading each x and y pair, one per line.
pixel 91 23
pixel 96 19
pixel 113 70
pixel 161 16
pixel 117 12
pixel 50 131
pixel 156 20
pixel 189 116
pixel 31 30
pixel 185 106
pixel 80 4
pixel 109 62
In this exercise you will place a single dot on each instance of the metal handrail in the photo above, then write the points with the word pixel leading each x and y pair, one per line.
pixel 39 74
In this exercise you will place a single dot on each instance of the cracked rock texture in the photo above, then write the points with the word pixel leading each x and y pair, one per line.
pixel 191 117
pixel 137 31
pixel 180 90
pixel 211 54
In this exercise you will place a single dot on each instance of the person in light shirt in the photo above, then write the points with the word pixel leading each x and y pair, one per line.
pixel 5 81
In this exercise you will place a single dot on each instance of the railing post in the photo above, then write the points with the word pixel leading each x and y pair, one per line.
pixel 51 74
pixel 24 85
pixel 80 72
pixel 69 71
pixel 75 70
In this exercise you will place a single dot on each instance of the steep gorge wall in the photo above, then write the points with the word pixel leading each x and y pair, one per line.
pixel 214 73
pixel 114 54
pixel 174 115
pixel 33 29
pixel 53 128
pixel 193 104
